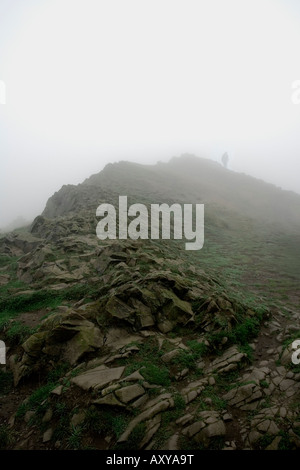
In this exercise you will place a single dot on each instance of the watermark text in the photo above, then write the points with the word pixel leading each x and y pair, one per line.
pixel 2 92
pixel 2 352
pixel 296 353
pixel 296 93
pixel 188 222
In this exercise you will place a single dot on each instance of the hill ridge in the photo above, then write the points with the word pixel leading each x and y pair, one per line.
pixel 183 179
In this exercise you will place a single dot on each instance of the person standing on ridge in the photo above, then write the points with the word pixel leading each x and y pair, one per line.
pixel 225 159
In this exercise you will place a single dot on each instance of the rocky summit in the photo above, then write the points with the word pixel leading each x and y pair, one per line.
pixel 140 344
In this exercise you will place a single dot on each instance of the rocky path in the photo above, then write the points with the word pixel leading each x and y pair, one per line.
pixel 271 387
pixel 260 407
pixel 134 376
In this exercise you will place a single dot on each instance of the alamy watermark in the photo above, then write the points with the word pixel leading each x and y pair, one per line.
pixel 296 353
pixel 2 92
pixel 2 352
pixel 188 222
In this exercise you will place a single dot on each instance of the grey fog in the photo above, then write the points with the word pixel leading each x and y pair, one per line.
pixel 85 82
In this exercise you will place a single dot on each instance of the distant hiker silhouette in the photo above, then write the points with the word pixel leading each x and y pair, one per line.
pixel 225 159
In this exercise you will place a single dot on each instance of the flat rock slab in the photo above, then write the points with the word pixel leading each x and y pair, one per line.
pixel 146 415
pixel 98 377
pixel 127 394
pixel 242 395
pixel 228 361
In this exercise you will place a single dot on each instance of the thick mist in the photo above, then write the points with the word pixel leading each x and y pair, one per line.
pixel 85 83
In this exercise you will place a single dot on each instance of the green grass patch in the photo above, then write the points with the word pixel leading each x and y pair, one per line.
pixel 5 260
pixel 75 438
pixel 285 442
pixel 241 334
pixel 55 374
pixel 62 428
pixel 264 441
pixel 11 265
pixel 217 402
pixel 6 382
pixel 45 298
pixel 106 421
pixel 157 375
pixel 38 399
pixel 17 333
pixel 264 384
pixel 225 382
pixel 247 349
pixel 11 306
pixel 134 439
pixel 6 436
pixel 35 401
pixel 295 335
pixel 148 360
pixel 187 358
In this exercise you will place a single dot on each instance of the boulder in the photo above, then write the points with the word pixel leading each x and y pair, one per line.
pixel 88 339
pixel 211 430
pixel 119 309
pixel 35 343
pixel 66 335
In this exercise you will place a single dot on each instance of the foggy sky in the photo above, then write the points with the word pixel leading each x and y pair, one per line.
pixel 90 82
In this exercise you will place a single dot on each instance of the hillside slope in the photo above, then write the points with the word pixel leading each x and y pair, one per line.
pixel 183 179
pixel 140 344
